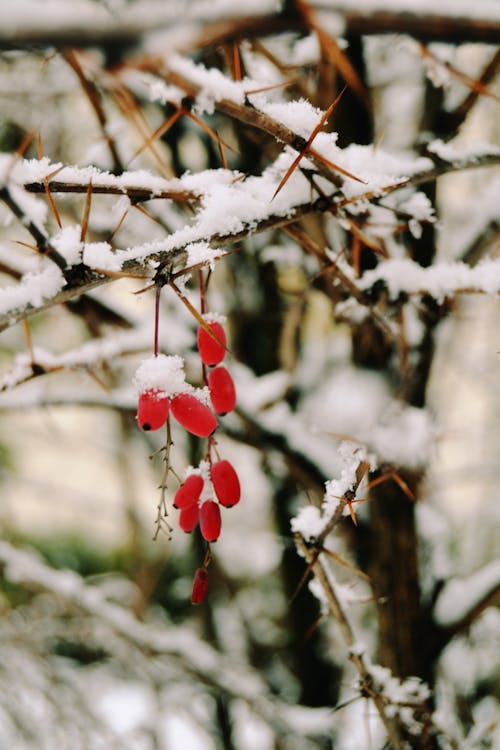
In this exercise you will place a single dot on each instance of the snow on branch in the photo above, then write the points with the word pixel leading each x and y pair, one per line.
pixel 83 22
pixel 462 600
pixel 452 20
pixel 440 280
pixel 238 681
pixel 229 211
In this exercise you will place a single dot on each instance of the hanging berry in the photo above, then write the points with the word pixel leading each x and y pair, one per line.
pixel 188 518
pixel 189 492
pixel 212 350
pixel 200 586
pixel 210 520
pixel 226 483
pixel 152 410
pixel 222 390
pixel 193 415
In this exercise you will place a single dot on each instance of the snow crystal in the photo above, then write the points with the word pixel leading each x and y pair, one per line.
pixel 100 255
pixel 214 85
pixel 308 522
pixel 300 115
pixel 67 242
pixel 163 373
pixel 200 252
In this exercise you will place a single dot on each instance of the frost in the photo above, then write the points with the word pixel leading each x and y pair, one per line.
pixel 200 252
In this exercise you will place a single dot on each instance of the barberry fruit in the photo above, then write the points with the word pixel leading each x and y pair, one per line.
pixel 222 390
pixel 226 483
pixel 152 410
pixel 210 520
pixel 212 350
pixel 193 415
pixel 189 492
pixel 200 586
pixel 188 518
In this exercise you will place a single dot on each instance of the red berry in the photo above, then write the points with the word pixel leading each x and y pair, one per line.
pixel 189 492
pixel 210 520
pixel 226 483
pixel 212 350
pixel 188 518
pixel 222 390
pixel 193 415
pixel 200 586
pixel 152 410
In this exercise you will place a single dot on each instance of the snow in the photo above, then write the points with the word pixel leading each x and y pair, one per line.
pixel 460 596
pixel 485 9
pixel 455 152
pixel 161 373
pixel 440 280
pixel 67 242
pixel 32 290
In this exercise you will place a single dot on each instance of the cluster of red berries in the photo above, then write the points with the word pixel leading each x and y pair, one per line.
pixel 199 500
pixel 156 401
pixel 163 391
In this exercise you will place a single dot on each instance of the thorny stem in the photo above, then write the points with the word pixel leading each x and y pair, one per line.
pixel 346 630
pixel 43 245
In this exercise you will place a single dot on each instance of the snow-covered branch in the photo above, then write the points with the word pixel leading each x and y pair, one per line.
pixel 239 681
pixel 462 600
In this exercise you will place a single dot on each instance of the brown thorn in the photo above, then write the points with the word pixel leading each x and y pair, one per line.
pixel 29 341
pixel 142 210
pixel 86 213
pixel 312 628
pixel 159 132
pixel 236 62
pixel 46 186
pixel 120 222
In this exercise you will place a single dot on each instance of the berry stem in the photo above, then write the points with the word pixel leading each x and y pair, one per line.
pixel 157 318
pixel 162 511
